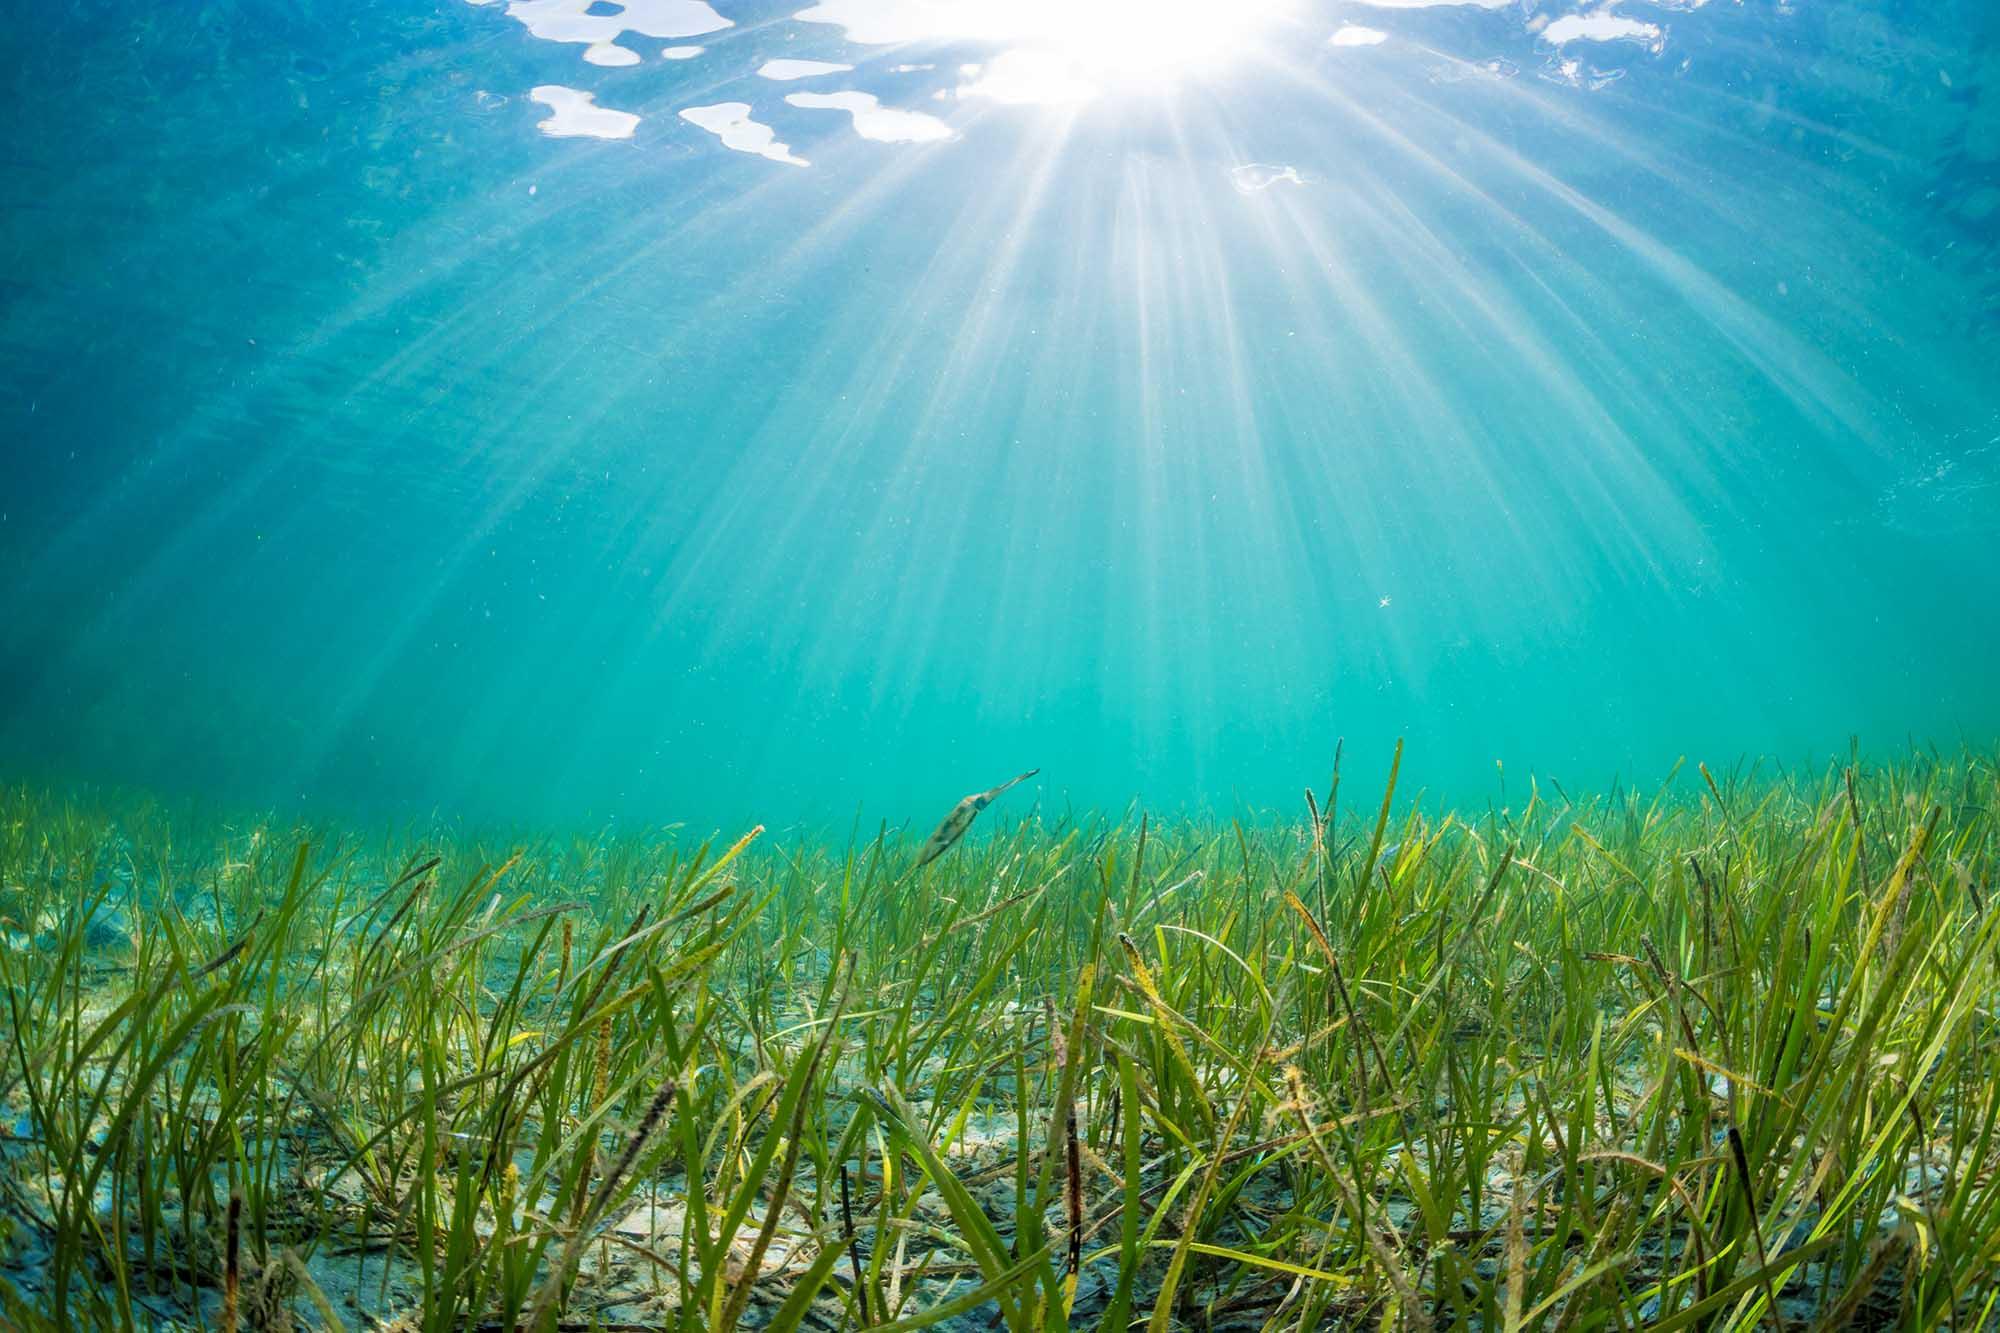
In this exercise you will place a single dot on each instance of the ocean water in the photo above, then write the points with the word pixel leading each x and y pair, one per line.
pixel 551 411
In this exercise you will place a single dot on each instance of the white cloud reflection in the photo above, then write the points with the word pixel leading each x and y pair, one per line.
pixel 1353 34
pixel 731 123
pixel 872 120
pixel 610 53
pixel 1253 177
pixel 1602 26
pixel 574 114
pixel 786 70
pixel 573 21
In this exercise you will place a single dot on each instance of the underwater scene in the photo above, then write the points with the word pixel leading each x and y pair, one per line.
pixel 1000 665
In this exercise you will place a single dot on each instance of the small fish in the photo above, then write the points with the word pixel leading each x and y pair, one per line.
pixel 960 819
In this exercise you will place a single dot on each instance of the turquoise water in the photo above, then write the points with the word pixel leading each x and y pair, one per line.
pixel 1151 394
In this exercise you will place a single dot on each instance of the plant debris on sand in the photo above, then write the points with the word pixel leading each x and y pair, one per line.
pixel 1718 1056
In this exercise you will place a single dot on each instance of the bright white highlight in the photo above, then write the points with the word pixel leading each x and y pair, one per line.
pixel 576 115
pixel 1099 42
pixel 572 21
pixel 731 123
pixel 786 70
pixel 610 53
pixel 872 120
pixel 1353 34
pixel 1603 26
pixel 1252 177
pixel 1027 77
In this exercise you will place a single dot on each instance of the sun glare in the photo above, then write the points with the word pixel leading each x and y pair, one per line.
pixel 1139 40
pixel 1059 50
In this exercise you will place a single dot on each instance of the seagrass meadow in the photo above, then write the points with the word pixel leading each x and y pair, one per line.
pixel 1716 1055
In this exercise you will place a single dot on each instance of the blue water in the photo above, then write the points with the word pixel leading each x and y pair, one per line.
pixel 1159 394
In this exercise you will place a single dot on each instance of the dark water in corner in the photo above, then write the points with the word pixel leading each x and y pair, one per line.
pixel 1149 393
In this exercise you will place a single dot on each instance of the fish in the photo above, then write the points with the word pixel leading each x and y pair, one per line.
pixel 960 819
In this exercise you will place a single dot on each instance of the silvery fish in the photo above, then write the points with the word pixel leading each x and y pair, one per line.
pixel 960 819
